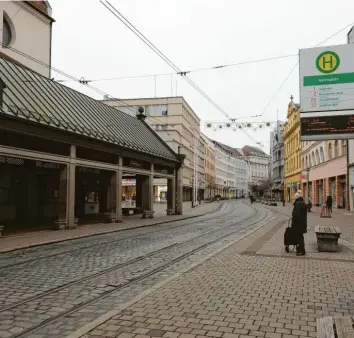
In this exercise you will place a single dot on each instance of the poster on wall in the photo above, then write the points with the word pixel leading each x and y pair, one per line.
pixel 327 93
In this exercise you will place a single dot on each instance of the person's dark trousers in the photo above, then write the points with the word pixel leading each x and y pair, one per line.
pixel 300 248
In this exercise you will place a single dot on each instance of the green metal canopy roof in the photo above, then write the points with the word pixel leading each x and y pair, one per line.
pixel 36 98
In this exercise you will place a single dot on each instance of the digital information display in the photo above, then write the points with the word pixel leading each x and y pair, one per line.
pixel 327 127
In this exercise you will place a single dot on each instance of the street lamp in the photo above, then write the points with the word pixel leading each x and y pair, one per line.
pixel 308 189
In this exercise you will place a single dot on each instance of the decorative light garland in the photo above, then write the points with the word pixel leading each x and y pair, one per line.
pixel 243 125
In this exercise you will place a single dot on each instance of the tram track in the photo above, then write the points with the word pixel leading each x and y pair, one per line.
pixel 162 227
pixel 241 226
pixel 120 265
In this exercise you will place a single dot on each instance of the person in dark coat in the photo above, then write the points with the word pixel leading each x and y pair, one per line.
pixel 299 222
pixel 329 203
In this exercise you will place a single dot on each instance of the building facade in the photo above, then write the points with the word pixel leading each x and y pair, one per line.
pixel 292 151
pixel 258 164
pixel 209 167
pixel 277 161
pixel 350 170
pixel 231 172
pixel 27 32
pixel 63 156
pixel 324 172
pixel 179 126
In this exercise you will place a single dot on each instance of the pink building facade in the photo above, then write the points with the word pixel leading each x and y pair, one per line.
pixel 325 172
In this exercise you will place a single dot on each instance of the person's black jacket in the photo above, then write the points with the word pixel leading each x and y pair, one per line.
pixel 299 216
pixel 329 201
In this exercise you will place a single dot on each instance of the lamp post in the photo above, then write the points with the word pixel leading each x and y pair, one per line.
pixel 308 189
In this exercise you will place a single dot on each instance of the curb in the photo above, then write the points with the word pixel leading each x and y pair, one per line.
pixel 91 326
pixel 103 233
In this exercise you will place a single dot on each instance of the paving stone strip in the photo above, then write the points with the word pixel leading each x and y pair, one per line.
pixel 35 277
pixel 34 313
pixel 234 296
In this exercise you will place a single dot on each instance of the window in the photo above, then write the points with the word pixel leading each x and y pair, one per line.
pixel 313 158
pixel 306 163
pixel 6 33
pixel 336 149
pixel 321 155
pixel 330 154
pixel 310 162
pixel 164 110
pixel 317 157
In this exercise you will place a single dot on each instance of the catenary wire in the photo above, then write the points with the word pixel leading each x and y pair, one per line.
pixel 297 63
pixel 190 70
pixel 131 27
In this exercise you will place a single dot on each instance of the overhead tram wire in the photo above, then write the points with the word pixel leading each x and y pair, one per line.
pixel 141 36
pixel 73 78
pixel 126 105
pixel 190 70
pixel 297 63
pixel 146 41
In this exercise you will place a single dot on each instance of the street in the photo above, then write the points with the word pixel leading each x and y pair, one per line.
pixel 53 290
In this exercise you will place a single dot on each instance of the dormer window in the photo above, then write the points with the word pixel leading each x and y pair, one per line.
pixel 6 33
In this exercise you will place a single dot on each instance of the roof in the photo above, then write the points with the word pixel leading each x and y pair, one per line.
pixel 43 7
pixel 226 148
pixel 35 98
pixel 249 150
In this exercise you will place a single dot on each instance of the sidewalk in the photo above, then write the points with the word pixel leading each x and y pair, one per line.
pixel 250 289
pixel 14 242
pixel 341 218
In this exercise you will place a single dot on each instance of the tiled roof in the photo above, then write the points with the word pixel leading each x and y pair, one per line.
pixel 35 98
pixel 233 151
pixel 250 150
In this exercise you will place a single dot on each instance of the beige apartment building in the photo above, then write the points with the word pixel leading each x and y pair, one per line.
pixel 179 126
pixel 209 167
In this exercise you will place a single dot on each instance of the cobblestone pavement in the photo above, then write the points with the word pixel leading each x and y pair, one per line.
pixel 20 241
pixel 53 290
pixel 242 292
pixel 340 218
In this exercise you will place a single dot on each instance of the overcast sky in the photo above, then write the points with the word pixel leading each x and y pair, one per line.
pixel 89 42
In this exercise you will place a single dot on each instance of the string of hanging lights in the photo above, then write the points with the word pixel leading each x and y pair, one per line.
pixel 242 125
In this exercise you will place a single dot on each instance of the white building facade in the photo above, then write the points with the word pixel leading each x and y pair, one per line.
pixel 27 32
pixel 179 126
pixel 231 172
pixel 258 164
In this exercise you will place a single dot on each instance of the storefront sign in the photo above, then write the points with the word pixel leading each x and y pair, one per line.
pixel 128 162
pixel 128 181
